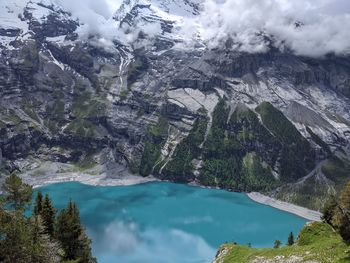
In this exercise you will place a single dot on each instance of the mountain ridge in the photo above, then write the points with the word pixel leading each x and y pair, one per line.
pixel 86 100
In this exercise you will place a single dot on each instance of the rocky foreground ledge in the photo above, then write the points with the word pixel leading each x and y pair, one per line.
pixel 288 207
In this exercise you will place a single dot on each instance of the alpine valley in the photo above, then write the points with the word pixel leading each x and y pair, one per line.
pixel 151 102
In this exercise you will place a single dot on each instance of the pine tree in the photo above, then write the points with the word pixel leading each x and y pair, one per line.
pixel 44 248
pixel 38 207
pixel 329 210
pixel 48 215
pixel 71 234
pixel 31 239
pixel 277 244
pixel 341 218
pixel 290 239
pixel 37 249
pixel 16 246
pixel 18 194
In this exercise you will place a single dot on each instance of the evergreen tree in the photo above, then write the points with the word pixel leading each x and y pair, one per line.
pixel 15 238
pixel 18 194
pixel 31 239
pixel 290 241
pixel 48 215
pixel 44 248
pixel 38 207
pixel 37 249
pixel 71 234
pixel 15 244
pixel 277 244
pixel 341 218
pixel 329 210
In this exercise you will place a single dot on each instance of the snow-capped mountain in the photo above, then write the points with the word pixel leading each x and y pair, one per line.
pixel 72 92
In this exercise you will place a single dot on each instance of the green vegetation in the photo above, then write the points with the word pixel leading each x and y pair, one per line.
pixel 290 241
pixel 337 213
pixel 277 123
pixel 249 128
pixel 86 164
pixel 82 128
pixel 154 141
pixel 321 242
pixel 85 109
pixel 87 105
pixel 54 116
pixel 337 170
pixel 11 119
pixel 232 158
pixel 180 167
pixel 72 236
pixel 48 213
pixel 9 116
pixel 124 94
pixel 222 154
pixel 257 176
pixel 317 242
pixel 39 238
pixel 297 156
pixel 277 244
pixel 312 193
pixel 18 194
pixel 29 109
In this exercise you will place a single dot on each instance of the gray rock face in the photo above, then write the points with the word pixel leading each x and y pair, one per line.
pixel 301 114
pixel 9 32
pixel 1 158
pixel 58 90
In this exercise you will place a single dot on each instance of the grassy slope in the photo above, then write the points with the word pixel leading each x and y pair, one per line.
pixel 317 243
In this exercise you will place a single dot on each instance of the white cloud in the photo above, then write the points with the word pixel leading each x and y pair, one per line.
pixel 325 27
pixel 85 8
pixel 130 243
pixel 94 15
pixel 96 18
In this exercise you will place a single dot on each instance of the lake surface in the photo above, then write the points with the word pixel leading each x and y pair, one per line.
pixel 170 223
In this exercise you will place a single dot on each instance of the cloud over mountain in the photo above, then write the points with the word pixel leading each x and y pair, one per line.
pixel 307 27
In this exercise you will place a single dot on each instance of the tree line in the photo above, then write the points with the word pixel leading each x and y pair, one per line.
pixel 336 213
pixel 45 236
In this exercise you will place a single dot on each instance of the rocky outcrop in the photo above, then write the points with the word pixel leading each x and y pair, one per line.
pixel 9 32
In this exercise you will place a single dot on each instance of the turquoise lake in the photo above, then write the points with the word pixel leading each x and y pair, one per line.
pixel 170 223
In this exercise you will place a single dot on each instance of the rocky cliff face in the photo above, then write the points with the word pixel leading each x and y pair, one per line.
pixel 279 122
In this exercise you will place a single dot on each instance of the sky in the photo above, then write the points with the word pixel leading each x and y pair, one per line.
pixel 325 23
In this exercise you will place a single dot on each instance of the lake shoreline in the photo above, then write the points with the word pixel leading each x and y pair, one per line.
pixel 300 211
pixel 46 173
pixel 53 173
pixel 135 180
pixel 90 180
pixel 134 223
pixel 285 206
